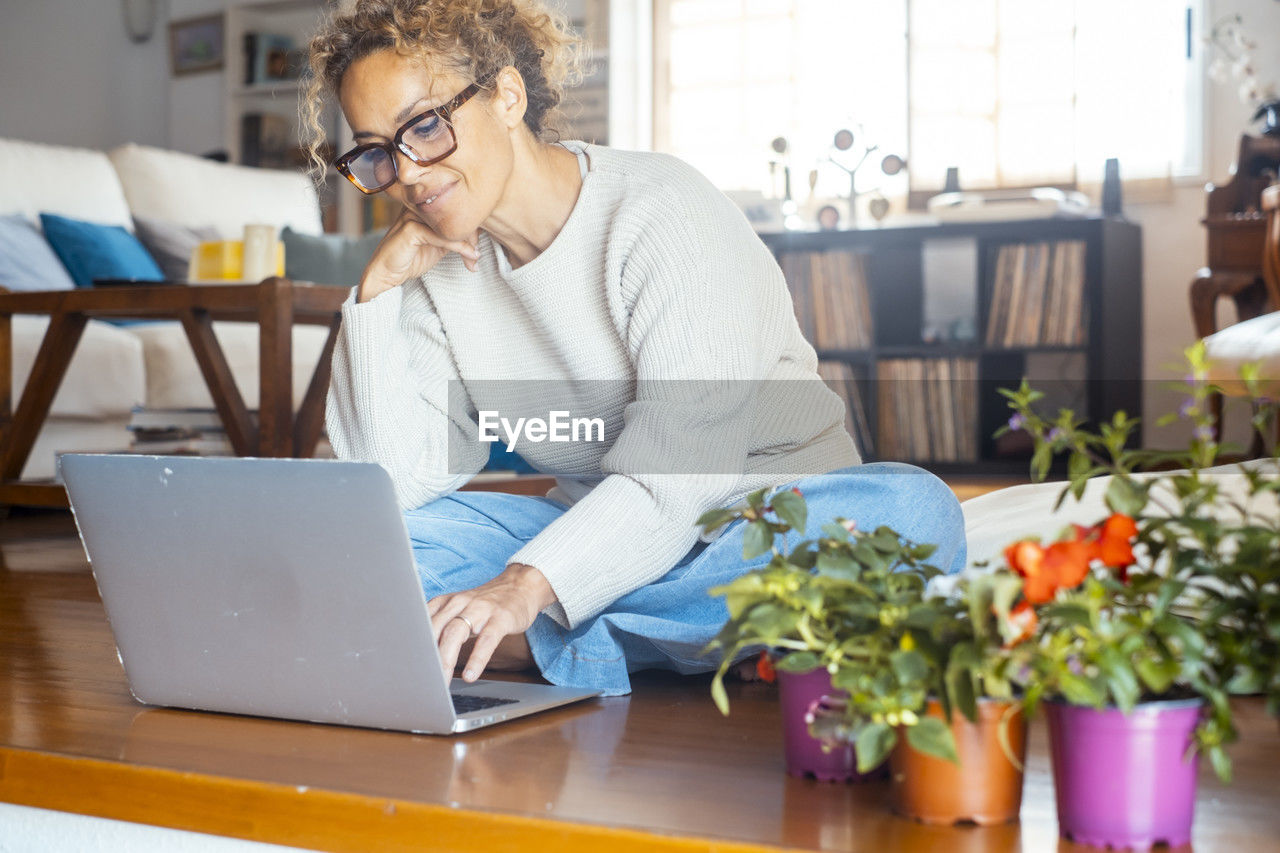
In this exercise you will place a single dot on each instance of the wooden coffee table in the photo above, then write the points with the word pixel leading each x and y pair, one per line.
pixel 275 304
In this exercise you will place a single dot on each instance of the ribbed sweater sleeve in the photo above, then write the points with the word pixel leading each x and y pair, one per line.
pixel 707 311
pixel 389 394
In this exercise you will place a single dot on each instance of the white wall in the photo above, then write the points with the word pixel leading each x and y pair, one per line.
pixel 71 76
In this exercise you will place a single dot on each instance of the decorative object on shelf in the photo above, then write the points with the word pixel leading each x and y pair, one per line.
pixel 790 210
pixel 1142 625
pixel 270 58
pixel 844 140
pixel 139 19
pixel 1111 196
pixel 878 206
pixel 1002 205
pixel 828 217
pixel 196 45
pixel 952 182
pixel 1233 59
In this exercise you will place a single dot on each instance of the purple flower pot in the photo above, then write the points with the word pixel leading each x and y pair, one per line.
pixel 1124 781
pixel 799 694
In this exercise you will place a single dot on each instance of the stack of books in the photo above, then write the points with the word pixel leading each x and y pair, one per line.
pixel 841 378
pixel 927 409
pixel 1037 295
pixel 829 292
pixel 178 432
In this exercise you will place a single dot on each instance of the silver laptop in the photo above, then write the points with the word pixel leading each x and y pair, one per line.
pixel 273 587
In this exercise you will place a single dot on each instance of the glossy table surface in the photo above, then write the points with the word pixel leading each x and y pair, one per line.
pixel 656 770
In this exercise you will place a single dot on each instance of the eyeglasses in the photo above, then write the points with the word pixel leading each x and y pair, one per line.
pixel 425 139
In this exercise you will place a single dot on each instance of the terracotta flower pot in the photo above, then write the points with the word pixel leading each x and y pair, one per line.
pixel 800 693
pixel 985 788
pixel 1124 780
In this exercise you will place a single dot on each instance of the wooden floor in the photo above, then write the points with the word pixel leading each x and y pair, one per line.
pixel 659 769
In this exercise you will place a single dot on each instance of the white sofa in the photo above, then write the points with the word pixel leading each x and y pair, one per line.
pixel 118 367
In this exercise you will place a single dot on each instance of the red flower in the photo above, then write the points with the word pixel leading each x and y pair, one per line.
pixel 1023 618
pixel 1068 562
pixel 1027 559
pixel 797 491
pixel 1114 546
pixel 764 668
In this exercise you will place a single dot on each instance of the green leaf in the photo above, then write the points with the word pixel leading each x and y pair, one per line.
pixel 1126 496
pixel 756 499
pixel 933 737
pixel 873 745
pixel 756 540
pixel 797 662
pixel 1079 690
pixel 1221 762
pixel 837 565
pixel 961 687
pixel 715 518
pixel 1156 673
pixel 718 695
pixel 836 530
pixel 910 667
pixel 790 507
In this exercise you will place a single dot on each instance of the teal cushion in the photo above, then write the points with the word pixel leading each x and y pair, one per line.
pixel 26 260
pixel 328 258
pixel 89 250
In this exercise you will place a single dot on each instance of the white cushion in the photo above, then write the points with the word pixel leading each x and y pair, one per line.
pixel 174 380
pixel 75 182
pixel 1256 340
pixel 105 379
pixel 996 519
pixel 196 192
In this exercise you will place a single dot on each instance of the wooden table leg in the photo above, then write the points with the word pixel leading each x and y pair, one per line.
pixel 310 421
pixel 275 368
pixel 56 350
pixel 222 385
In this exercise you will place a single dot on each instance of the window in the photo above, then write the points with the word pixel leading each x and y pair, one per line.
pixel 1012 92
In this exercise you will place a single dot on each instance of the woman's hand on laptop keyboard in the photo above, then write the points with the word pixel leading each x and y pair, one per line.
pixel 501 608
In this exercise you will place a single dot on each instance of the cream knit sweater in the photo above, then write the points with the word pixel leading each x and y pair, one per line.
pixel 653 310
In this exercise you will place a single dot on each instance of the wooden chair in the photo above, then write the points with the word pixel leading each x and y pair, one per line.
pixel 1237 230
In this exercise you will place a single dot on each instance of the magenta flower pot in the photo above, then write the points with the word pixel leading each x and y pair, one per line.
pixel 799 694
pixel 1124 781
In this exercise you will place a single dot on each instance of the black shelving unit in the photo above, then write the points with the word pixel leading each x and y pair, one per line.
pixel 1111 348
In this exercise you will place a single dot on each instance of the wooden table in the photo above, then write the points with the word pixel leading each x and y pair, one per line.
pixel 658 770
pixel 275 305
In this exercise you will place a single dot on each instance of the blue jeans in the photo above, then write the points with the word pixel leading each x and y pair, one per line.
pixel 465 539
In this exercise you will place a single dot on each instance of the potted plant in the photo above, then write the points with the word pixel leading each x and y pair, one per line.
pixel 811 609
pixel 1137 619
pixel 919 678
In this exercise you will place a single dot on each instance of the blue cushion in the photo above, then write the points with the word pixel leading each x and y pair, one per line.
pixel 90 251
pixel 26 260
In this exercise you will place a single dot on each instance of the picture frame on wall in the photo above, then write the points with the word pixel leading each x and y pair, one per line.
pixel 196 45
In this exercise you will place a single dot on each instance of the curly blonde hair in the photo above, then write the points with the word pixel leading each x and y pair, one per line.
pixel 475 38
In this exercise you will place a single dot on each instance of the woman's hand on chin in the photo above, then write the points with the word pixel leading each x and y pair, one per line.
pixel 505 606
pixel 410 248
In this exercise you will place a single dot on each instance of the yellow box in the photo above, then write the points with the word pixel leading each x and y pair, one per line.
pixel 223 261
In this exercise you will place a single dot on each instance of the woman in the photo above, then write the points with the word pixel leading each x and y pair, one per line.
pixel 524 278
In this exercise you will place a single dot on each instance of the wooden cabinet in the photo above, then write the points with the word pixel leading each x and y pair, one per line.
pixel 928 386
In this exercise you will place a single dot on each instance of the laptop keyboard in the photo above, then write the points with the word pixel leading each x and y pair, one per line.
pixel 466 703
